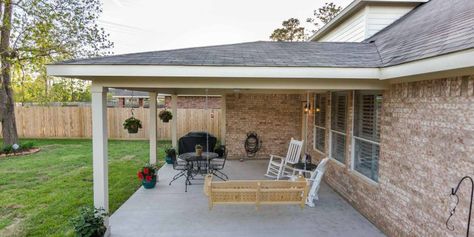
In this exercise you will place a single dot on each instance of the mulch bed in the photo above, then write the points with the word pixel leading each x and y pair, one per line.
pixel 21 153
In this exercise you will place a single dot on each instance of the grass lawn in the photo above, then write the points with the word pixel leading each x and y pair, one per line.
pixel 39 193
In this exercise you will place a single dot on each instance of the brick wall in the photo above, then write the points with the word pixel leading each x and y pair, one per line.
pixel 195 102
pixel 275 118
pixel 427 146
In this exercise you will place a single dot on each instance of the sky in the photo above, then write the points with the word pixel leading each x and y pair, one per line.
pixel 149 25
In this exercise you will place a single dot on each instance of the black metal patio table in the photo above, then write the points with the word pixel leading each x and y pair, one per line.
pixel 196 164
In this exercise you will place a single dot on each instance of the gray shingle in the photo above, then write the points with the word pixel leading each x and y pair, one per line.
pixel 432 29
pixel 261 53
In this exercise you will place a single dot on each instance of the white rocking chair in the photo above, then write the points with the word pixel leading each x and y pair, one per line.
pixel 315 182
pixel 279 166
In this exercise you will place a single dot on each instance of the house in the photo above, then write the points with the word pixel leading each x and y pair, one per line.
pixel 391 103
pixel 124 98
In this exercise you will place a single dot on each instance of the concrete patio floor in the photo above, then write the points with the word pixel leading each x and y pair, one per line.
pixel 169 211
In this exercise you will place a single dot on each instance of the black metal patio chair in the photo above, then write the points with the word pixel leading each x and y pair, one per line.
pixel 182 167
pixel 218 164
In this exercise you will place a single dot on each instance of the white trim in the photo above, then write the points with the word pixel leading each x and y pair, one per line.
pixel 452 61
pixel 340 133
pixel 210 71
pixel 319 126
pixel 366 140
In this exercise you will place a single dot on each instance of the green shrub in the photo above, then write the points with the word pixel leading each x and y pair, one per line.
pixel 90 222
pixel 170 152
pixel 7 149
pixel 27 145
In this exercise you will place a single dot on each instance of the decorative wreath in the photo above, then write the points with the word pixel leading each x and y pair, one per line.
pixel 252 144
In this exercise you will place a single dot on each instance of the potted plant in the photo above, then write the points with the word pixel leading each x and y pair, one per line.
pixel 148 176
pixel 170 155
pixel 165 116
pixel 132 124
pixel 198 149
pixel 90 222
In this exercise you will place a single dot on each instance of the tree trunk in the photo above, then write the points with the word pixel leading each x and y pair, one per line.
pixel 7 105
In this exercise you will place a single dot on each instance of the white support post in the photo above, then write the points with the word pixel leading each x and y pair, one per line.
pixel 223 119
pixel 174 121
pixel 99 147
pixel 152 128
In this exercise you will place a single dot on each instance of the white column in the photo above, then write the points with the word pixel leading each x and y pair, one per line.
pixel 174 121
pixel 152 127
pixel 99 147
pixel 223 119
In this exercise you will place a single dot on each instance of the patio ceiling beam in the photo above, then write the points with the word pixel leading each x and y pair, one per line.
pixel 233 84
pixel 215 92
pixel 84 71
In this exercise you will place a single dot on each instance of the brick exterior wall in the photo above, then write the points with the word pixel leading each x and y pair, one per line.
pixel 275 118
pixel 195 102
pixel 427 146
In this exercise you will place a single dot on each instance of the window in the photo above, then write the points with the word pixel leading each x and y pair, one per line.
pixel 366 139
pixel 338 125
pixel 320 104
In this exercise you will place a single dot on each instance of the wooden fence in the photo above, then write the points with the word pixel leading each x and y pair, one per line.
pixel 76 122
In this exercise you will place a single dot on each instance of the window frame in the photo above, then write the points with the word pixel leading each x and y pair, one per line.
pixel 316 127
pixel 354 138
pixel 332 131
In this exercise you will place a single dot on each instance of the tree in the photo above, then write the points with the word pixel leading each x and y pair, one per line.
pixel 323 15
pixel 37 32
pixel 291 31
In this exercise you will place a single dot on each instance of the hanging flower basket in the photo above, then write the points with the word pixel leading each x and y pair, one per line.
pixel 165 116
pixel 132 124
pixel 148 176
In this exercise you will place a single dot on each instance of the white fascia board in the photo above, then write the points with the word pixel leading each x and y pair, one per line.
pixel 448 62
pixel 79 71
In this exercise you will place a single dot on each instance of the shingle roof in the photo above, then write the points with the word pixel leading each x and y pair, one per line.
pixel 261 53
pixel 433 28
